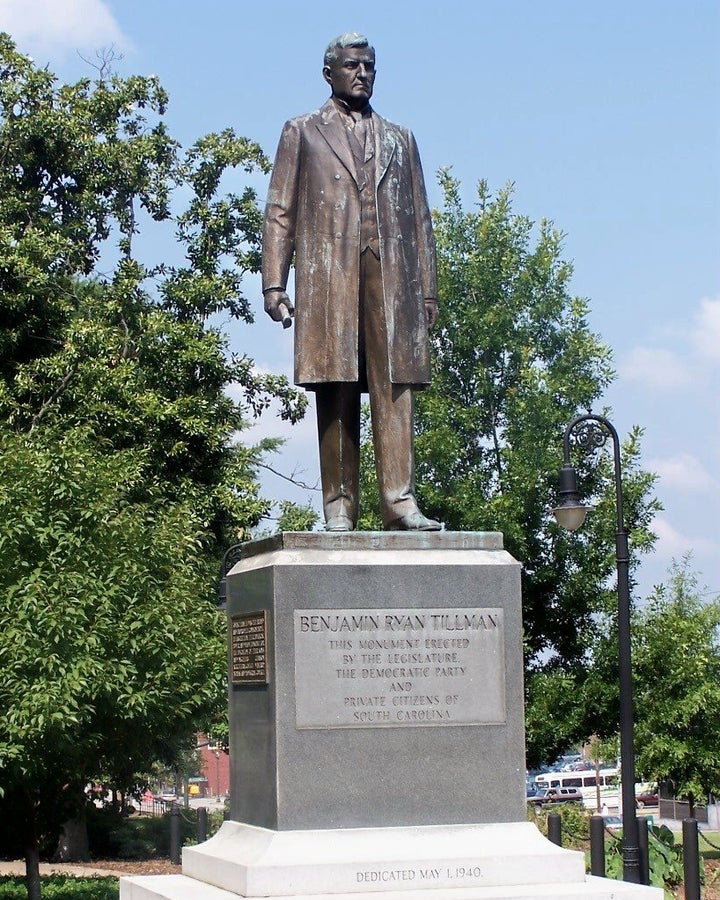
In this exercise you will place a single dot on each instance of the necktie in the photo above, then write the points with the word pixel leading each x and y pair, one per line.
pixel 358 136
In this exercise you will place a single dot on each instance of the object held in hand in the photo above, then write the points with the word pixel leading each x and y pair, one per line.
pixel 285 314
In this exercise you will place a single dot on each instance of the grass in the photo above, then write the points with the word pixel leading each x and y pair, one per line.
pixel 61 887
pixel 706 848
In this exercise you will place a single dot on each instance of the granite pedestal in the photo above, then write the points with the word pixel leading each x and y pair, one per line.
pixel 376 726
pixel 379 711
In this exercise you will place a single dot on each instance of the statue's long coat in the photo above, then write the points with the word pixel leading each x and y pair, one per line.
pixel 313 211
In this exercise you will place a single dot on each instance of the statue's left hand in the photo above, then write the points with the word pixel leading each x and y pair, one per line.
pixel 431 310
pixel 278 306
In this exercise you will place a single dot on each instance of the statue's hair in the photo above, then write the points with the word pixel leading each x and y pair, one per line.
pixel 349 39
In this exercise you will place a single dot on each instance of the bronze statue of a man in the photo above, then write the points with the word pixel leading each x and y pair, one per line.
pixel 347 198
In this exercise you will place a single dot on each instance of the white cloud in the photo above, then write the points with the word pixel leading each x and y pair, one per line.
pixel 683 471
pixel 706 336
pixel 672 544
pixel 298 456
pixel 52 26
pixel 656 368
pixel 686 355
pixel 271 425
pixel 297 460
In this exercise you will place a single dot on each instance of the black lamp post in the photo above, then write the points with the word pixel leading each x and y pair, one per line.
pixel 589 431
pixel 230 557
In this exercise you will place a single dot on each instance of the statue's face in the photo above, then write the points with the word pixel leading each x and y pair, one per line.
pixel 352 75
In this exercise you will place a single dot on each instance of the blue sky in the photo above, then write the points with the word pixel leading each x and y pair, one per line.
pixel 604 115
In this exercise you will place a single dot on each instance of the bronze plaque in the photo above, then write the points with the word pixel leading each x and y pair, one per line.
pixel 248 648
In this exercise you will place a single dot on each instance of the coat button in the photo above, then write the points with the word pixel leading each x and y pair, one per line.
pixel 337 177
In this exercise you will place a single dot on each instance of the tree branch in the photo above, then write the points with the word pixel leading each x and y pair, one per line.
pixel 49 402
pixel 126 342
pixel 293 479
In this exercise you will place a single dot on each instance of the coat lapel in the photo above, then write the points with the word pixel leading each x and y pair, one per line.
pixel 331 128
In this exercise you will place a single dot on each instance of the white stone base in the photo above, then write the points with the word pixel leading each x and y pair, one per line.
pixel 180 887
pixel 258 862
pixel 437 862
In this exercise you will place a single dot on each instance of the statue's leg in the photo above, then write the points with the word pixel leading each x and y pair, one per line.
pixel 391 407
pixel 338 418
pixel 392 415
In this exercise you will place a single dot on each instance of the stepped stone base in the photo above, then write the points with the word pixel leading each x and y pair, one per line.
pixel 179 887
pixel 457 862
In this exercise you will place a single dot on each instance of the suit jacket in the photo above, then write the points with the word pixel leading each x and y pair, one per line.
pixel 313 212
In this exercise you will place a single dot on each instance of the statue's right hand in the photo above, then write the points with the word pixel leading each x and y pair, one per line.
pixel 278 306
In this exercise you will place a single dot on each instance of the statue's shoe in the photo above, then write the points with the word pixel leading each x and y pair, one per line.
pixel 414 521
pixel 339 523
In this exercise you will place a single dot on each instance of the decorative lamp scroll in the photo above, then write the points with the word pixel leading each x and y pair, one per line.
pixel 589 435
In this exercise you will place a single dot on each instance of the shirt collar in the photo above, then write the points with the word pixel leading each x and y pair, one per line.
pixel 343 107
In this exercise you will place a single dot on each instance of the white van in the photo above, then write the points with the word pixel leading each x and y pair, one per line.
pixel 597 789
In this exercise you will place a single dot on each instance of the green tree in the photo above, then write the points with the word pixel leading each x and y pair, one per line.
pixel 109 645
pixel 677 686
pixel 296 517
pixel 513 363
pixel 118 426
pixel 132 352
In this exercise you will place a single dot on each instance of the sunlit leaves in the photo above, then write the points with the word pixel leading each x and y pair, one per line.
pixel 125 346
pixel 677 686
pixel 109 641
pixel 122 475
pixel 514 360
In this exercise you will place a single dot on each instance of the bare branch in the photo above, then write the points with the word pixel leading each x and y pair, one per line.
pixel 49 402
pixel 126 342
pixel 293 479
pixel 105 56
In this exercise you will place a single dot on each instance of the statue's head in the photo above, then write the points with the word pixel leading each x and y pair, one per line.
pixel 349 69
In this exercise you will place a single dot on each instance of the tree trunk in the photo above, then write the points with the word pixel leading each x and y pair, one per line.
pixel 73 844
pixel 32 871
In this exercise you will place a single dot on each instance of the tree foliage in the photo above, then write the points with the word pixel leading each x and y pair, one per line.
pixel 677 686
pixel 513 362
pixel 129 352
pixel 109 645
pixel 121 471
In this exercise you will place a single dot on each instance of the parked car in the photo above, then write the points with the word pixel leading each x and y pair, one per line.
pixel 648 797
pixel 556 795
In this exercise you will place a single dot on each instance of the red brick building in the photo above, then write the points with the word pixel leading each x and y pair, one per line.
pixel 214 768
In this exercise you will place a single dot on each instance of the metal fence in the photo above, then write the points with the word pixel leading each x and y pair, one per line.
pixel 680 809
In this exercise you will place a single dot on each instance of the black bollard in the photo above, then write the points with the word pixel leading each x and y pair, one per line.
pixel 644 847
pixel 597 846
pixel 691 859
pixel 554 823
pixel 175 834
pixel 202 824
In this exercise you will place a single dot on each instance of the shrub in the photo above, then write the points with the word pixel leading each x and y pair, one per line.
pixel 666 858
pixel 60 887
pixel 114 836
pixel 575 821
